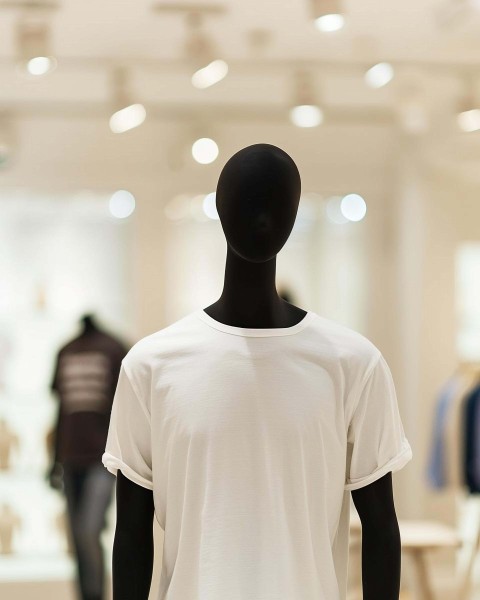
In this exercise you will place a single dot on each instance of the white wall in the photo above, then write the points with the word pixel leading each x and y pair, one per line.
pixel 366 275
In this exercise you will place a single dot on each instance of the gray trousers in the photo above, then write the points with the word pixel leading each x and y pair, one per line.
pixel 88 492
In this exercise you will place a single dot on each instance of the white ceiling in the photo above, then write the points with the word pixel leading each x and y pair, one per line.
pixel 89 38
pixel 410 29
pixel 434 46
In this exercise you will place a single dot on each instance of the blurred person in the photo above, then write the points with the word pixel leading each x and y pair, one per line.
pixel 85 375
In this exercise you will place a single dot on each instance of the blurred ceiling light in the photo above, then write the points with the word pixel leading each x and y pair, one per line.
pixel 307 211
pixel 469 120
pixel 41 65
pixel 332 22
pixel 204 151
pixel 334 212
pixel 201 53
pixel 468 117
pixel 122 204
pixel 127 118
pixel 306 115
pixel 209 75
pixel 127 115
pixel 210 207
pixel 305 112
pixel 379 75
pixel 33 48
pixel 328 15
pixel 353 207
pixel 197 209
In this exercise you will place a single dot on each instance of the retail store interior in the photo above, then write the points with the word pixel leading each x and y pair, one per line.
pixel 116 119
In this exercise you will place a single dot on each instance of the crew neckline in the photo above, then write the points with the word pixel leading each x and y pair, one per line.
pixel 254 331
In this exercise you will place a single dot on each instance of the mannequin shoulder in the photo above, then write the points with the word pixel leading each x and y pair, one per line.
pixel 346 344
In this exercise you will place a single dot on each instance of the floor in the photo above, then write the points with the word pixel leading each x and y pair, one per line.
pixel 442 577
pixel 441 570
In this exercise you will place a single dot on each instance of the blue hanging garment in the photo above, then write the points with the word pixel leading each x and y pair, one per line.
pixel 471 428
pixel 435 472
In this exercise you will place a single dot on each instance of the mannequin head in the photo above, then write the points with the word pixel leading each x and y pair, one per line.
pixel 257 199
pixel 88 322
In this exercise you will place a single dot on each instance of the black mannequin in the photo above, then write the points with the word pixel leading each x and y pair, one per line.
pixel 89 323
pixel 55 469
pixel 257 198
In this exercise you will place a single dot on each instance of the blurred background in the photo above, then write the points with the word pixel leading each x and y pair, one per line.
pixel 116 119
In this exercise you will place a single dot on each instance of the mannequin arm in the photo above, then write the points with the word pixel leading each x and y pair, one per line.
pixel 381 543
pixel 132 560
pixel 54 458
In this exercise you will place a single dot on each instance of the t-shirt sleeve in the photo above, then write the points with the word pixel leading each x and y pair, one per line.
pixel 128 445
pixel 376 439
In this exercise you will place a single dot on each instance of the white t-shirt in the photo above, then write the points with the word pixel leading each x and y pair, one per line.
pixel 251 440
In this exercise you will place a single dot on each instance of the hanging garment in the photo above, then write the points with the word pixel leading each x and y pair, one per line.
pixel 436 468
pixel 251 441
pixel 455 433
pixel 476 445
pixel 471 443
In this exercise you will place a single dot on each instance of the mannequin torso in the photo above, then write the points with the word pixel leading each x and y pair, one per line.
pixel 257 200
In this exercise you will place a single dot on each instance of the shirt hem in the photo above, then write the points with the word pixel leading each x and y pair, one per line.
pixel 394 464
pixel 112 464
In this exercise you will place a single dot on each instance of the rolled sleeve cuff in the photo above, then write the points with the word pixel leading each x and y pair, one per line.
pixel 394 464
pixel 112 464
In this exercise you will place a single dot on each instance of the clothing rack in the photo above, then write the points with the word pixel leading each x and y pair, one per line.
pixel 448 470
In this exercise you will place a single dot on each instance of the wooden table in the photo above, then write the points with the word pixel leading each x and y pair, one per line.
pixel 418 537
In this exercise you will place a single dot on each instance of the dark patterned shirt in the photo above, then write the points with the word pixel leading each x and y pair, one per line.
pixel 85 377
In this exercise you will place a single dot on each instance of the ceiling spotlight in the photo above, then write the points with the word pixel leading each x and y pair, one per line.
pixel 33 48
pixel 468 116
pixel 306 115
pixel 127 118
pixel 353 207
pixel 122 204
pixel 469 120
pixel 305 111
pixel 379 75
pixel 204 151
pixel 328 15
pixel 334 212
pixel 209 206
pixel 200 51
pixel 328 23
pixel 127 115
pixel 209 75
pixel 41 65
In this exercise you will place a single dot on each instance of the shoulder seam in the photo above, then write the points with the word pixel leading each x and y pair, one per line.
pixel 370 369
pixel 365 378
pixel 137 395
